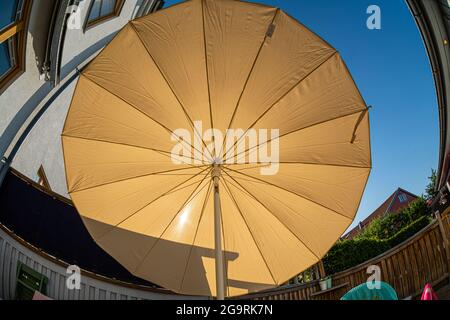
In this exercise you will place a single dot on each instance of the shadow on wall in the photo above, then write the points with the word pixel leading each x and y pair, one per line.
pixel 55 227
pixel 29 106
pixel 173 265
pixel 84 55
pixel 39 28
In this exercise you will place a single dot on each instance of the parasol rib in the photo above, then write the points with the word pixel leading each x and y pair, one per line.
pixel 302 128
pixel 249 230
pixel 162 152
pixel 135 107
pixel 136 177
pixel 282 96
pixel 301 196
pixel 249 74
pixel 358 123
pixel 263 164
pixel 190 198
pixel 207 78
pixel 173 92
pixel 174 189
pixel 282 223
pixel 195 235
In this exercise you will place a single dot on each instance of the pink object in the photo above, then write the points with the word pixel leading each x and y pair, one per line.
pixel 40 296
pixel 428 293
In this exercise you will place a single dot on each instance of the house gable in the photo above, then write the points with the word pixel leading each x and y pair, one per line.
pixel 393 204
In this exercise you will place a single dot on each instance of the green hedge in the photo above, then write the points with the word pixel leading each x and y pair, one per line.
pixel 387 226
pixel 408 231
pixel 349 253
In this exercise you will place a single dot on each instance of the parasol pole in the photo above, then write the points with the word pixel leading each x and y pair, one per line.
pixel 220 276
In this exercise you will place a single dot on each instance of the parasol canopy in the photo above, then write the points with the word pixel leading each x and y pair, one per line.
pixel 258 199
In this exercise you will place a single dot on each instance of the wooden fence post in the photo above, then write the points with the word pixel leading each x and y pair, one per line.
pixel 444 237
pixel 322 270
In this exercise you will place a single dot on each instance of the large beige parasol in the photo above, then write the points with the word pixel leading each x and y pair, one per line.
pixel 178 204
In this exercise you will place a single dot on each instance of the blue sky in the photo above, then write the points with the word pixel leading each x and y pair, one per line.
pixel 392 71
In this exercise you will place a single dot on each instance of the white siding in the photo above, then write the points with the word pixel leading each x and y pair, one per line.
pixel 11 252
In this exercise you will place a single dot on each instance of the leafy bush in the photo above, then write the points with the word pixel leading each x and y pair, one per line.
pixel 383 227
pixel 431 190
pixel 387 226
pixel 409 231
pixel 417 209
pixel 349 253
pixel 382 234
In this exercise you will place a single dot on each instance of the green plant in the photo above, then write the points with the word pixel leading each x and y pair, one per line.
pixel 387 226
pixel 379 236
pixel 349 253
pixel 416 209
pixel 430 189
pixel 409 231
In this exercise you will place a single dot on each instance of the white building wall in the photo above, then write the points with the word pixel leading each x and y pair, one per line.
pixel 80 44
pixel 27 90
pixel 11 252
pixel 29 93
pixel 43 145
pixel 19 104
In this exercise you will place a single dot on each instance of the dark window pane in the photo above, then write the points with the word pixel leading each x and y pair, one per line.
pixel 101 8
pixel 95 10
pixel 8 10
pixel 108 7
pixel 5 60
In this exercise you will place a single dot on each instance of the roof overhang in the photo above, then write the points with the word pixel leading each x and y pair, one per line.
pixel 433 20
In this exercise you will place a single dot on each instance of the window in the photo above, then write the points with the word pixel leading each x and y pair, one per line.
pixel 402 197
pixel 102 10
pixel 28 280
pixel 42 178
pixel 13 17
pixel 144 7
pixel 6 56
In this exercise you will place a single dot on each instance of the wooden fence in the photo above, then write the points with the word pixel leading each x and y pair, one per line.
pixel 422 259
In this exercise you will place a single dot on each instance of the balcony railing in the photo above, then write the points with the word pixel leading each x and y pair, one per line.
pixel 424 258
